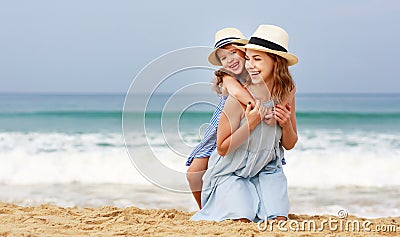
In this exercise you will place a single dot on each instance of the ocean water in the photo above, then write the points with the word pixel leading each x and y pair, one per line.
pixel 73 150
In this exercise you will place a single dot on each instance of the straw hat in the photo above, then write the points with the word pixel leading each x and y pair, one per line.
pixel 271 39
pixel 222 38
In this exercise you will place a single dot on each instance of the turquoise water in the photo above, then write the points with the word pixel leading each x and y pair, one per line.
pixel 102 113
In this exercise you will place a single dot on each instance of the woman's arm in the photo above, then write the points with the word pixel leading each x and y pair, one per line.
pixel 285 115
pixel 230 135
pixel 236 90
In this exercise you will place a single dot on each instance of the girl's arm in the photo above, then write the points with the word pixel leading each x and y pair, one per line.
pixel 230 135
pixel 236 90
pixel 286 117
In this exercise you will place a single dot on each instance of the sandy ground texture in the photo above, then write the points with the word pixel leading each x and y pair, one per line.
pixel 50 220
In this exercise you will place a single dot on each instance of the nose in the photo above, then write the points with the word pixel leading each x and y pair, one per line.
pixel 248 65
pixel 230 59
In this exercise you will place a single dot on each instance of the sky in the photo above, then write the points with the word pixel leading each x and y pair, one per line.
pixel 98 46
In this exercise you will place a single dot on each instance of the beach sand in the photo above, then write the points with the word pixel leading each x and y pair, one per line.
pixel 50 220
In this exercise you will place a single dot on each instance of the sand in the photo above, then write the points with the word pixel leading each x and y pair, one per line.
pixel 50 220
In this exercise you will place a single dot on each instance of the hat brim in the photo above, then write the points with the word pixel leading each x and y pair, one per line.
pixel 291 58
pixel 213 58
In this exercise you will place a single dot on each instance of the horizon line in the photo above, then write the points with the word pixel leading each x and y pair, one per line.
pixel 170 93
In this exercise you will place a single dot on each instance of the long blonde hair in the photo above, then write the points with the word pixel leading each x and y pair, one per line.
pixel 283 82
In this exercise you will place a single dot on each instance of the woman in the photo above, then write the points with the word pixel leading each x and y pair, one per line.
pixel 245 180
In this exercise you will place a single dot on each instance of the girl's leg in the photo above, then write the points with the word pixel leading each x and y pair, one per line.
pixel 194 176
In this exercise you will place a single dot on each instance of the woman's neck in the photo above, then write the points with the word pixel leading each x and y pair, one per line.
pixel 261 91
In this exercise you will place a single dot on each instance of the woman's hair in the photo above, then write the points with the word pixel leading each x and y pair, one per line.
pixel 283 82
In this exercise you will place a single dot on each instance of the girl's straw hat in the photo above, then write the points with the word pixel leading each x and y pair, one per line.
pixel 271 39
pixel 222 38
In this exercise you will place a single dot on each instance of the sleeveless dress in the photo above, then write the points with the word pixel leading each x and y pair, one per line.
pixel 209 142
pixel 248 182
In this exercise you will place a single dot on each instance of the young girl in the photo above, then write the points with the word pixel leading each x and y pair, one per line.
pixel 245 180
pixel 232 60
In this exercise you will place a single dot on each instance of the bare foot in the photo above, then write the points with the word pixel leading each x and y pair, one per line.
pixel 281 218
pixel 243 220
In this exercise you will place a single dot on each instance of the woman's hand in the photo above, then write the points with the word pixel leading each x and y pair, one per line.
pixel 282 115
pixel 285 113
pixel 255 115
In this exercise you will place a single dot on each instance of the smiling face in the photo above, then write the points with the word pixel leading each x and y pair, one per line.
pixel 259 65
pixel 231 58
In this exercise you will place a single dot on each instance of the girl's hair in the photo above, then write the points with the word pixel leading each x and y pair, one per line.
pixel 283 82
pixel 221 73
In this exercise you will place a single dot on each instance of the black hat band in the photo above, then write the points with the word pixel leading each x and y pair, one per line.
pixel 267 44
pixel 224 41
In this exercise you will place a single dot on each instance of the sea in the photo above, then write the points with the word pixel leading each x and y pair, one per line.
pixel 93 150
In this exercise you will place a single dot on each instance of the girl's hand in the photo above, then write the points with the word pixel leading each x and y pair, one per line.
pixel 269 118
pixel 254 115
pixel 223 89
pixel 282 115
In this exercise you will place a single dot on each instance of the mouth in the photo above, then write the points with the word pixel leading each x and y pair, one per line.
pixel 234 66
pixel 254 73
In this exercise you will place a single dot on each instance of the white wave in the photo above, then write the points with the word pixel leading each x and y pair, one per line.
pixel 48 158
pixel 19 167
pixel 334 158
pixel 322 158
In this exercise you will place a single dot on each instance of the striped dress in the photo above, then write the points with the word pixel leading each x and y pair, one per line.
pixel 209 142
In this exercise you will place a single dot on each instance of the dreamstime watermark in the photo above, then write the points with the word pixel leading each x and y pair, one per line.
pixel 339 223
